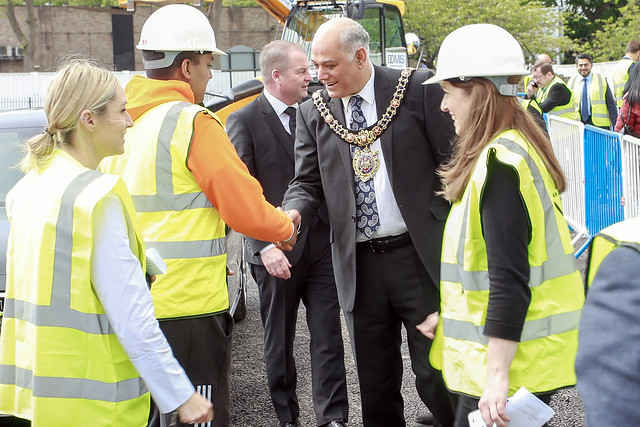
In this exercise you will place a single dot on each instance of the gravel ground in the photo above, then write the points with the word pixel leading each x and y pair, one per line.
pixel 250 402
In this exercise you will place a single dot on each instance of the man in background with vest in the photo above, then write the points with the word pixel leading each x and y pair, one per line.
pixel 592 95
pixel 623 68
pixel 551 92
pixel 543 58
pixel 609 350
pixel 186 182
pixel 263 133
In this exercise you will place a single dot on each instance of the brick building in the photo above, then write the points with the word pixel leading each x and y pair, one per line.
pixel 110 34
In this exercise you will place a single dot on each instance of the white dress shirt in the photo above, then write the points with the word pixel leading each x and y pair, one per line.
pixel 391 221
pixel 122 289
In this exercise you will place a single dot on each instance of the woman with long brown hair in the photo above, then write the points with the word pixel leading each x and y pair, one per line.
pixel 511 295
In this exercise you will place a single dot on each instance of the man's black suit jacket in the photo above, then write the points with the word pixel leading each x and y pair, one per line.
pixel 414 145
pixel 267 149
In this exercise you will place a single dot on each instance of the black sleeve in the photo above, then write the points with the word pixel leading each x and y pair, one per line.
pixel 559 94
pixel 612 107
pixel 507 232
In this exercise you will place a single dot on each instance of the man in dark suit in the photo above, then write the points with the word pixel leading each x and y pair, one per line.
pixel 386 219
pixel 263 134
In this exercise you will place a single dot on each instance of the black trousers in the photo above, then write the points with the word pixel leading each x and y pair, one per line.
pixel 394 289
pixel 312 283
pixel 202 345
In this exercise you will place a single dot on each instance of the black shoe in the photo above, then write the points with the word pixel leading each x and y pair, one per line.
pixel 289 424
pixel 425 420
pixel 335 423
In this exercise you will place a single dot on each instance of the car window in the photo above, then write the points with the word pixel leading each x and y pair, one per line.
pixel 11 143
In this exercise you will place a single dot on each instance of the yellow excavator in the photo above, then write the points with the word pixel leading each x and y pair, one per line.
pixel 390 46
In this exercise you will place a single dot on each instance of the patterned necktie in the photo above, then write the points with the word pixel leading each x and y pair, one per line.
pixel 291 112
pixel 584 102
pixel 366 207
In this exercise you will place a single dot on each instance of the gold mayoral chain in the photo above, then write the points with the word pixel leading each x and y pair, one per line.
pixel 365 161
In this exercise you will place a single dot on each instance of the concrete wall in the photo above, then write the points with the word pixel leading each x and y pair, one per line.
pixel 66 30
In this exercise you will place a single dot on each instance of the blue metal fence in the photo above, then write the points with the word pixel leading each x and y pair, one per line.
pixel 603 179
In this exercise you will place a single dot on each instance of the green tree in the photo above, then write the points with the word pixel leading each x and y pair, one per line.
pixel 609 42
pixel 538 28
pixel 583 18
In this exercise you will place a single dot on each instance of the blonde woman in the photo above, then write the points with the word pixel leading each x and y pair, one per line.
pixel 511 296
pixel 80 344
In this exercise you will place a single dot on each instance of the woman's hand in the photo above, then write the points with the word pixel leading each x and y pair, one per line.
pixel 195 410
pixel 493 402
pixel 428 327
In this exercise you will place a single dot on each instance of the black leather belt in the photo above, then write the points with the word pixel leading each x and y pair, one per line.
pixel 386 244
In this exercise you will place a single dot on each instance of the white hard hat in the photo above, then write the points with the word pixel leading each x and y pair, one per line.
pixel 176 28
pixel 481 50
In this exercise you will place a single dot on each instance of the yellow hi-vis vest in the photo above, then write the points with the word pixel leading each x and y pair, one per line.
pixel 60 361
pixel 623 233
pixel 620 77
pixel 547 348
pixel 175 215
pixel 599 111
pixel 526 103
pixel 568 111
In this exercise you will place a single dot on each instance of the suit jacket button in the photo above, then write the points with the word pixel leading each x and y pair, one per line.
pixel 353 218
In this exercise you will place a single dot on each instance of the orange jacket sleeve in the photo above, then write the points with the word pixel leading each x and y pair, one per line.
pixel 229 186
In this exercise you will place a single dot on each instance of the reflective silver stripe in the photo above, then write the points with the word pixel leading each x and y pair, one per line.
pixel 165 199
pixel 72 388
pixel 479 280
pixel 190 249
pixel 44 315
pixel 533 329
pixel 558 263
pixel 561 112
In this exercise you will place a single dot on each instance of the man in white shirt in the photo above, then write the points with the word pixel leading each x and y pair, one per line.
pixel 370 145
pixel 592 95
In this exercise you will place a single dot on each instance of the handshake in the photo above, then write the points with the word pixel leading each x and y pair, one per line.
pixel 294 216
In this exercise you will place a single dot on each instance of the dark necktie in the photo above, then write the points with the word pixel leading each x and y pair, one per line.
pixel 584 102
pixel 366 207
pixel 291 112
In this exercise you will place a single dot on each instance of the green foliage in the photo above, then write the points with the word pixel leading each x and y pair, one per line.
pixel 585 17
pixel 536 27
pixel 609 42
pixel 239 3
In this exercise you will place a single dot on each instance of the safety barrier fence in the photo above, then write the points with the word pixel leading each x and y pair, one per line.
pixel 602 169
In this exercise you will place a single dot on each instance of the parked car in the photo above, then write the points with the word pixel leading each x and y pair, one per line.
pixel 16 127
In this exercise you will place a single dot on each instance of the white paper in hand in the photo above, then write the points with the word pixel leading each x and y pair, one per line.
pixel 155 264
pixel 523 408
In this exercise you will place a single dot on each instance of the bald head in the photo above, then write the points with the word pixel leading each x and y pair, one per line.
pixel 340 55
pixel 543 58
pixel 348 32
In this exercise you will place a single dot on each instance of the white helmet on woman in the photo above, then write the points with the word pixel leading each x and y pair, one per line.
pixel 173 29
pixel 481 50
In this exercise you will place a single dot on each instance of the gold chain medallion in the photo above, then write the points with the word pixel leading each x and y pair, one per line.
pixel 365 161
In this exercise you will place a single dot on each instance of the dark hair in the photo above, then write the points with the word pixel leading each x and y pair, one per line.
pixel 545 67
pixel 633 46
pixel 584 56
pixel 168 72
pixel 632 87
